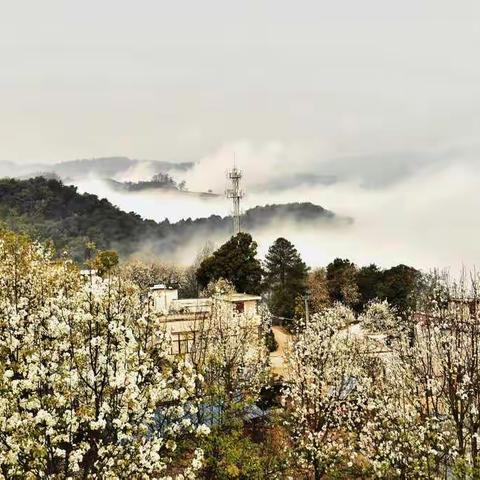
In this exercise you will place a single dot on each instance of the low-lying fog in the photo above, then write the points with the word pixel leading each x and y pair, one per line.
pixel 418 208
pixel 373 109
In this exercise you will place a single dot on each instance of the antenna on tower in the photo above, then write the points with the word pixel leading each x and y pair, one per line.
pixel 235 175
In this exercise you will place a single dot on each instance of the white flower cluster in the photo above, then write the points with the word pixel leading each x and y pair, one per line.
pixel 236 358
pixel 323 394
pixel 86 387
pixel 378 317
pixel 409 413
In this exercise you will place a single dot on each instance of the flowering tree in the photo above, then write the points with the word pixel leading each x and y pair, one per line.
pixel 378 317
pixel 86 388
pixel 147 274
pixel 324 393
pixel 229 353
pixel 444 365
pixel 397 438
pixel 351 405
pixel 424 420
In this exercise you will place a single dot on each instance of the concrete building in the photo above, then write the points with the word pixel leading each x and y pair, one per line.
pixel 187 319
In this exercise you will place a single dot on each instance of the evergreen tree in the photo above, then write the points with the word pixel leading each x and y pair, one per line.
pixel 342 282
pixel 286 276
pixel 369 280
pixel 400 286
pixel 236 262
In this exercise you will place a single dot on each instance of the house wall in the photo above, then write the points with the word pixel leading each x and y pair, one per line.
pixel 250 307
pixel 186 320
pixel 162 298
pixel 188 329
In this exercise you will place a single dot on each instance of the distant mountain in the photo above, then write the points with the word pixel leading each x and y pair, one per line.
pixel 50 210
pixel 106 167
pixel 162 182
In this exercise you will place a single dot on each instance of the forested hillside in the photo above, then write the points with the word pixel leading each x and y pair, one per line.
pixel 50 210
pixel 160 181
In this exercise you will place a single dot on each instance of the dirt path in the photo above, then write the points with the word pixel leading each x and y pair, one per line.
pixel 277 358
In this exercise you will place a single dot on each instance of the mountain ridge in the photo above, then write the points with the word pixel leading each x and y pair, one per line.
pixel 82 168
pixel 49 210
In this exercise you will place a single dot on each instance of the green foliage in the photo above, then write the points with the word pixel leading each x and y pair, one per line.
pixel 369 279
pixel 105 261
pixel 231 453
pixel 270 341
pixel 342 282
pixel 463 470
pixel 400 286
pixel 236 262
pixel 281 304
pixel 160 180
pixel 286 275
pixel 46 209
pixel 301 212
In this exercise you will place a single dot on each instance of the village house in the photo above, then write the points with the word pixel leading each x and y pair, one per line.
pixel 186 319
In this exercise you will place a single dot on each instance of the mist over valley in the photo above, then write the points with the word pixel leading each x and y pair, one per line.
pixel 390 208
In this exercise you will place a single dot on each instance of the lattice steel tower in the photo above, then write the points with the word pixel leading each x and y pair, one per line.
pixel 236 195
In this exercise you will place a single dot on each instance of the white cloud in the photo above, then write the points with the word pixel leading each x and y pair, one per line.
pixel 422 212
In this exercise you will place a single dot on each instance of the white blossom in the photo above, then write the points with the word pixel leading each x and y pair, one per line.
pixel 86 384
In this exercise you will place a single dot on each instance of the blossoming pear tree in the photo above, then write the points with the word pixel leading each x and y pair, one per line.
pixel 229 354
pixel 324 393
pixel 397 438
pixel 353 405
pixel 443 363
pixel 86 386
pixel 378 317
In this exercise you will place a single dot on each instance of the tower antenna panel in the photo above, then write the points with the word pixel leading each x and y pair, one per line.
pixel 236 194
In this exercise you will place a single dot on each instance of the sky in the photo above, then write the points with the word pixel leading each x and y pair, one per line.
pixel 178 80
pixel 383 94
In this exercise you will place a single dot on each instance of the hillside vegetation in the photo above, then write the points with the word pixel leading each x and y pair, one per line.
pixel 49 210
pixel 160 181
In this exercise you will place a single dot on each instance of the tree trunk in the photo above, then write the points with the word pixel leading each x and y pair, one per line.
pixel 318 471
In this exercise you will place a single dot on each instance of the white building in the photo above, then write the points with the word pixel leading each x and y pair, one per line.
pixel 186 319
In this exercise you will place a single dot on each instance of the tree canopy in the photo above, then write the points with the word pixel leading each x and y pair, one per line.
pixel 46 209
pixel 286 275
pixel 236 262
pixel 356 287
pixel 400 286
pixel 342 281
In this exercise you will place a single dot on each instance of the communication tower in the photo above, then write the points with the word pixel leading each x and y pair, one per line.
pixel 235 175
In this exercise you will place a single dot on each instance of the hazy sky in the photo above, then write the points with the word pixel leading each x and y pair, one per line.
pixel 384 94
pixel 180 80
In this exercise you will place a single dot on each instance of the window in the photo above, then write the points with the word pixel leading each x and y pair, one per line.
pixel 184 342
pixel 239 307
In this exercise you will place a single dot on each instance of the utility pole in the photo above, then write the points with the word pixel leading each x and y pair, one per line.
pixel 236 195
pixel 306 298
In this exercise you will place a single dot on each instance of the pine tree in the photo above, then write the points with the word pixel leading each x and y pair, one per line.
pixel 286 275
pixel 236 262
pixel 342 282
